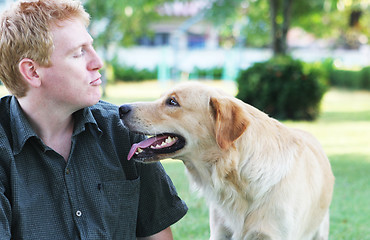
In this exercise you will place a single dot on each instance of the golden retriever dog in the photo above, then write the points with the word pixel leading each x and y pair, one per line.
pixel 261 179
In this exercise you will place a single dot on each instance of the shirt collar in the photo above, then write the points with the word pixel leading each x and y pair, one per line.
pixel 22 130
pixel 20 127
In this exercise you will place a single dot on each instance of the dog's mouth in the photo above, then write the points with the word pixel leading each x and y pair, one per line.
pixel 154 148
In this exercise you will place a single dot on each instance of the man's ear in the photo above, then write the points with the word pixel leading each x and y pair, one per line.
pixel 230 122
pixel 28 69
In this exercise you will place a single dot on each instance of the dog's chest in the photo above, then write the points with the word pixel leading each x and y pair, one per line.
pixel 229 197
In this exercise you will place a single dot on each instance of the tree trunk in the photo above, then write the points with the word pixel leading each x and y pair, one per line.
pixel 280 24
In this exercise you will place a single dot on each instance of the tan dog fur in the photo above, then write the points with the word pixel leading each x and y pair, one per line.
pixel 261 179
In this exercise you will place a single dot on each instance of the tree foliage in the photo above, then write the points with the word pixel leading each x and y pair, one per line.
pixel 120 21
pixel 323 18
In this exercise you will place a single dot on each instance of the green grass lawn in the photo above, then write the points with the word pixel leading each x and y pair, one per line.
pixel 344 131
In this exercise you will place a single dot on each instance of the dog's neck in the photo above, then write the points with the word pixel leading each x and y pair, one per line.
pixel 206 170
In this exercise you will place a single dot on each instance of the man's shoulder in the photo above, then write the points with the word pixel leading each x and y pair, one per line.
pixel 106 116
pixel 104 113
pixel 104 109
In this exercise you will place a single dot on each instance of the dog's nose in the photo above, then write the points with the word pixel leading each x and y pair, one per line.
pixel 124 110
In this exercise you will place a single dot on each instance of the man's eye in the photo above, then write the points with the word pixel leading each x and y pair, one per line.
pixel 172 102
pixel 80 53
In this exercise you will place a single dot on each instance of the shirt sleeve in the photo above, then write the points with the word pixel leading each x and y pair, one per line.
pixel 159 204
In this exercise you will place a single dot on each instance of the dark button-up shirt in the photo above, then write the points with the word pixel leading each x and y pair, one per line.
pixel 96 194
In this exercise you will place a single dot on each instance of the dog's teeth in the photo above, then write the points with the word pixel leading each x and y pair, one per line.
pixel 139 150
pixel 164 143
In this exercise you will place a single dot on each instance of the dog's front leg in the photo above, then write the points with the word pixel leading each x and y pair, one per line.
pixel 216 223
pixel 323 231
pixel 258 236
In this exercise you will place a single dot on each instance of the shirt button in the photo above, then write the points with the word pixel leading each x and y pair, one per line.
pixel 78 213
pixel 68 171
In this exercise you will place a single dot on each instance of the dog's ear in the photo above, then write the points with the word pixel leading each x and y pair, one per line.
pixel 230 122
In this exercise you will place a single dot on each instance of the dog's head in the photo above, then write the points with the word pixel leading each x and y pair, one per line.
pixel 183 122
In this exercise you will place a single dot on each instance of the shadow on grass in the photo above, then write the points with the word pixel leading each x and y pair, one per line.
pixel 350 208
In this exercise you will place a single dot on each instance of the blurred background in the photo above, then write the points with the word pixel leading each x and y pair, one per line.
pixel 216 39
pixel 306 63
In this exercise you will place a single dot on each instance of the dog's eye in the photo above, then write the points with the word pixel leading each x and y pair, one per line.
pixel 172 102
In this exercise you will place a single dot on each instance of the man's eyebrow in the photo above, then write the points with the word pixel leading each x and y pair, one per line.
pixel 82 44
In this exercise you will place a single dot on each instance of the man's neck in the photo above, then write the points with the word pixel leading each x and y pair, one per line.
pixel 54 126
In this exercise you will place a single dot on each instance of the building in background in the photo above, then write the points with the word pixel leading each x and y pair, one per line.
pixel 183 24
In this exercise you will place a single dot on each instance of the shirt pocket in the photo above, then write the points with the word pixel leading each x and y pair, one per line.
pixel 121 202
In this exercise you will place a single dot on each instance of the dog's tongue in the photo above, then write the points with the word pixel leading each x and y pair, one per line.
pixel 144 144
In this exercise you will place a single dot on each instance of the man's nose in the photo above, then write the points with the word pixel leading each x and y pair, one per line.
pixel 95 62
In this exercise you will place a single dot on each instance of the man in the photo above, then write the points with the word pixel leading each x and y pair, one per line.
pixel 63 167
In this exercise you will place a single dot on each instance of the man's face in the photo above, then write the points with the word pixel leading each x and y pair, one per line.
pixel 73 80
